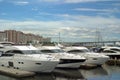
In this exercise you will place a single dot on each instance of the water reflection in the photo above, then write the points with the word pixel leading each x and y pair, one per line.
pixel 94 72
pixel 101 73
pixel 113 72
pixel 40 77
pixel 61 74
pixel 111 69
pixel 3 77
pixel 58 74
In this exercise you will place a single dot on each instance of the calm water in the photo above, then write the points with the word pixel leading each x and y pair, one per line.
pixel 101 73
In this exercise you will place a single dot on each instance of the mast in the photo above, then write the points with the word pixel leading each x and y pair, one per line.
pixel 98 37
pixel 59 38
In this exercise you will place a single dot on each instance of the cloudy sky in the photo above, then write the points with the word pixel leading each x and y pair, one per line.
pixel 75 20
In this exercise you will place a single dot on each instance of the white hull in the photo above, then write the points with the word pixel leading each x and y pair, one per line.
pixel 96 61
pixel 70 61
pixel 35 66
pixel 95 58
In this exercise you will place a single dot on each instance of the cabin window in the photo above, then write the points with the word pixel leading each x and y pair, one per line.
pixel 52 51
pixel 76 51
pixel 1 52
pixel 38 63
pixel 11 64
pixel 14 51
pixel 31 51
pixel 17 52
pixel 7 55
pixel 108 51
pixel 21 62
pixel 17 68
pixel 47 51
pixel 8 51
pixel 115 49
pixel 94 58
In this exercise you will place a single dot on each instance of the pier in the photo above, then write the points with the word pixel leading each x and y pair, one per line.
pixel 113 62
pixel 93 44
pixel 88 66
pixel 15 72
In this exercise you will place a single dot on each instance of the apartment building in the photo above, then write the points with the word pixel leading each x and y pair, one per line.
pixel 20 37
pixel 2 36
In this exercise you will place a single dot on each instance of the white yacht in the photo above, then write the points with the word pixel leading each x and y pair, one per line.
pixel 66 60
pixel 92 58
pixel 27 58
pixel 112 52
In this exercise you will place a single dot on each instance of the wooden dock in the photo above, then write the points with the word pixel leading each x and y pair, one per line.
pixel 88 66
pixel 113 62
pixel 15 72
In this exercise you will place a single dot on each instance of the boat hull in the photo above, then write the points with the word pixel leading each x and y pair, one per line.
pixel 70 63
pixel 27 65
pixel 96 61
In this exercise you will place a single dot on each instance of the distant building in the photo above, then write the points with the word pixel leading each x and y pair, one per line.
pixel 20 37
pixel 2 36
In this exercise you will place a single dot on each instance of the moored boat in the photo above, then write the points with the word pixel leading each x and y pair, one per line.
pixel 66 60
pixel 27 58
pixel 92 58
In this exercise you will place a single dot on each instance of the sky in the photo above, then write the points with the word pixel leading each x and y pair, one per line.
pixel 74 20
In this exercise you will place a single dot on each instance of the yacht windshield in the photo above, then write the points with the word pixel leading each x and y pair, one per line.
pixel 52 51
pixel 115 49
pixel 78 51
pixel 108 51
pixel 23 52
pixel 58 51
pixel 31 52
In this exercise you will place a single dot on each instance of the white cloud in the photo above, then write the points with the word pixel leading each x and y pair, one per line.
pixel 34 9
pixel 98 10
pixel 76 1
pixel 81 1
pixel 25 2
pixel 20 2
pixel 45 13
pixel 50 0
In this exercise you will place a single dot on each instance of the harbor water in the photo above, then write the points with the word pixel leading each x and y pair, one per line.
pixel 100 73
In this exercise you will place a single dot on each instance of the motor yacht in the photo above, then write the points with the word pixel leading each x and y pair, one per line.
pixel 92 58
pixel 27 58
pixel 66 60
pixel 112 52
